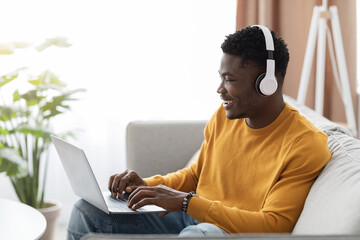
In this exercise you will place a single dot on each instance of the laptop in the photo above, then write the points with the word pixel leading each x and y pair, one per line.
pixel 84 184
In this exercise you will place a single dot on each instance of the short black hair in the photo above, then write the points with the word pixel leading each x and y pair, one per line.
pixel 249 44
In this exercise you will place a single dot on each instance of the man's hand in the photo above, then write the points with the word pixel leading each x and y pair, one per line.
pixel 127 181
pixel 162 196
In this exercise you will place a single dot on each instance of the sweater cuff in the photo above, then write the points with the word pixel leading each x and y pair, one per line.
pixel 154 181
pixel 198 208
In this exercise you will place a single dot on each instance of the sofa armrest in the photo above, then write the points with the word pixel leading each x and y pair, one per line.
pixel 160 147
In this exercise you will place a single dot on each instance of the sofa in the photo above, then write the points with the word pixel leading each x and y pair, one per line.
pixel 331 210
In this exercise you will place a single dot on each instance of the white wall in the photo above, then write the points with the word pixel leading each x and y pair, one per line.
pixel 138 60
pixel 358 61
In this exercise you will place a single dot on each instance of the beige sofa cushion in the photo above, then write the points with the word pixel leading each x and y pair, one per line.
pixel 333 203
pixel 161 147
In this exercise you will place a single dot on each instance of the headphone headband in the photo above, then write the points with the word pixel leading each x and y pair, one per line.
pixel 269 42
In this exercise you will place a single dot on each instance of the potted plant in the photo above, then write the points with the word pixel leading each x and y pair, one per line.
pixel 25 129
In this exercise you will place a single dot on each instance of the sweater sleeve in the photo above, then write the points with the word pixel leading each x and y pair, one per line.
pixel 284 201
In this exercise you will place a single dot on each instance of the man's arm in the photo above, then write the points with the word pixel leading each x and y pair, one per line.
pixel 167 191
pixel 284 201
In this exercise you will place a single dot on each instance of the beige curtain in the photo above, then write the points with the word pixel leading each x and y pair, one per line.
pixel 291 20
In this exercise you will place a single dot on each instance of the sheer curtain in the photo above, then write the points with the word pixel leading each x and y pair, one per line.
pixel 138 60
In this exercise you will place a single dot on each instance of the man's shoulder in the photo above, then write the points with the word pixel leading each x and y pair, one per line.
pixel 300 130
pixel 304 139
pixel 301 124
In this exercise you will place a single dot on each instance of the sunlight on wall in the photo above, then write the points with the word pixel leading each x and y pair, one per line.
pixel 358 58
pixel 138 60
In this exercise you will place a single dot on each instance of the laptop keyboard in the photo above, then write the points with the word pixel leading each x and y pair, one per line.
pixel 116 205
pixel 119 204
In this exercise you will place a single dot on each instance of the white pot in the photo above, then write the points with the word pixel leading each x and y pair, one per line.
pixel 51 211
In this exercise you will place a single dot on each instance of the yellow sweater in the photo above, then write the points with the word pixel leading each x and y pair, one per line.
pixel 252 180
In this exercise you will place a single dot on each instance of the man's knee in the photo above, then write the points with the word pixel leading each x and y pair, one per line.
pixel 86 218
pixel 82 205
pixel 202 229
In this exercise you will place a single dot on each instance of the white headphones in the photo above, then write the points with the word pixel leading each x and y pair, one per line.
pixel 266 83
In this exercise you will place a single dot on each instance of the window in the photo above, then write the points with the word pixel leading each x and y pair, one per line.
pixel 138 60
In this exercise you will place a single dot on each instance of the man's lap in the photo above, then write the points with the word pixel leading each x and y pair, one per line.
pixel 86 218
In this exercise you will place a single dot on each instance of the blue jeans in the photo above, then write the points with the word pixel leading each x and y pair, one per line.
pixel 86 218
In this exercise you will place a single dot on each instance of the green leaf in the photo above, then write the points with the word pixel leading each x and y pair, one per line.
pixel 35 82
pixel 52 113
pixel 5 79
pixel 56 104
pixel 11 163
pixel 37 131
pixel 48 80
pixel 32 98
pixel 16 96
pixel 3 131
pixel 19 112
pixel 7 113
pixel 53 79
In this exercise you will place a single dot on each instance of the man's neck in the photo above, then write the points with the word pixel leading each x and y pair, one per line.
pixel 268 114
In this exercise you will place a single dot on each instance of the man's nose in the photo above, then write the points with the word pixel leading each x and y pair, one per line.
pixel 221 88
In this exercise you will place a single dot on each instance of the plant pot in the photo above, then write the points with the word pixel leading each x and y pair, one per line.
pixel 51 212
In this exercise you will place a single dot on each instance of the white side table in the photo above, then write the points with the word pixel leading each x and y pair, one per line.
pixel 20 221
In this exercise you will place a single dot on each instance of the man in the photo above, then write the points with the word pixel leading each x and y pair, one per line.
pixel 256 164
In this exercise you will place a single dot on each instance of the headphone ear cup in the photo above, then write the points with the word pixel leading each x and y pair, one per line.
pixel 266 86
pixel 258 82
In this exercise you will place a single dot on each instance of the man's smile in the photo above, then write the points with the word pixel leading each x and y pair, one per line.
pixel 227 104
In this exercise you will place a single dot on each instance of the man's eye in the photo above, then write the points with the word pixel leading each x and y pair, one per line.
pixel 229 80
